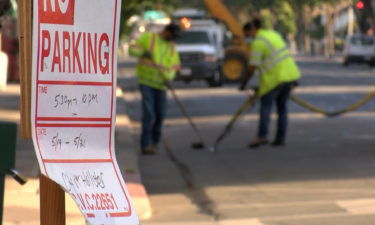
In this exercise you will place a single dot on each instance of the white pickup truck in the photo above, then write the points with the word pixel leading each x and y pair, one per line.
pixel 201 51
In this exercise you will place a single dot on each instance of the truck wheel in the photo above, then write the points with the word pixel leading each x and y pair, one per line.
pixel 346 62
pixel 234 66
pixel 216 80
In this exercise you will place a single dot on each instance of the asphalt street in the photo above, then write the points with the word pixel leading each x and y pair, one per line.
pixel 325 175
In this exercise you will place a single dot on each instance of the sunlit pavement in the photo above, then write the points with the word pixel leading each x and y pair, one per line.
pixel 22 205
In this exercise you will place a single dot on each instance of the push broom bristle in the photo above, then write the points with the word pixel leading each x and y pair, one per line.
pixel 197 145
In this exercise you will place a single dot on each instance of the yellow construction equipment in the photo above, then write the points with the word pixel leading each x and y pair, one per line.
pixel 236 55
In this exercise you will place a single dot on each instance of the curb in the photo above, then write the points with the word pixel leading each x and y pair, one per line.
pixel 139 195
pixel 127 157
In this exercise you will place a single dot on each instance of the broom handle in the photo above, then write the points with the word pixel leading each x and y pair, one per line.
pixel 179 103
pixel 183 109
pixel 235 117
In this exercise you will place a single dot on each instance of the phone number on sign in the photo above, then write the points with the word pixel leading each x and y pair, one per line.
pixel 96 201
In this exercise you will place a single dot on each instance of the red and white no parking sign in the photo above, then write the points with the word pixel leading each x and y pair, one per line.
pixel 73 104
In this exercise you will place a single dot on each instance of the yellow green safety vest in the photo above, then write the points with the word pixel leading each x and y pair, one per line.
pixel 164 55
pixel 270 54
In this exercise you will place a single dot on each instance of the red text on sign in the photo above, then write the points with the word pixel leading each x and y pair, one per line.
pixel 56 11
pixel 96 201
pixel 43 89
pixel 74 52
pixel 41 132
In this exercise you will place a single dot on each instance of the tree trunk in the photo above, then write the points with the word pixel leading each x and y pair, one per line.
pixel 292 43
pixel 329 31
pixel 306 35
pixel 301 29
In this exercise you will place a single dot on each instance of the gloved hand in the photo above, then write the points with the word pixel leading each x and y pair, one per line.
pixel 255 89
pixel 242 86
pixel 295 84
pixel 147 55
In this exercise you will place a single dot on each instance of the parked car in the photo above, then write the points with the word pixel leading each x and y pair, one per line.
pixel 360 49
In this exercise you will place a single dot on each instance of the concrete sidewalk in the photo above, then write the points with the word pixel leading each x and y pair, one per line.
pixel 22 202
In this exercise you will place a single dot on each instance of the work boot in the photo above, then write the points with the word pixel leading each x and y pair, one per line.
pixel 278 143
pixel 155 146
pixel 258 142
pixel 149 150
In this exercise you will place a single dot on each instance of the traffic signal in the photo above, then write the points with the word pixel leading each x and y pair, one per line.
pixel 360 5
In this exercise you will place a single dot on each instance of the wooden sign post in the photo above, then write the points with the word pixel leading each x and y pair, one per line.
pixel 52 197
pixel 52 202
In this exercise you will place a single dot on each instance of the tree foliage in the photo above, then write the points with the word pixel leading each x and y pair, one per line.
pixel 286 18
pixel 267 17
pixel 290 17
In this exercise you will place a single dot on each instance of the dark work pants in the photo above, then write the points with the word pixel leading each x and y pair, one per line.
pixel 281 95
pixel 154 104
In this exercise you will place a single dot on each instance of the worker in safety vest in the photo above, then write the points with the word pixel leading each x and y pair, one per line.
pixel 158 63
pixel 278 75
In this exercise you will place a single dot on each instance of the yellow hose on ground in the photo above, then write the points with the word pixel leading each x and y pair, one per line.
pixel 350 108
